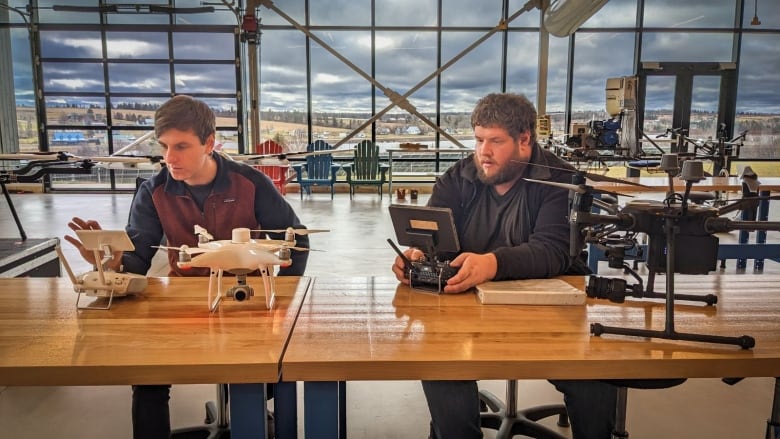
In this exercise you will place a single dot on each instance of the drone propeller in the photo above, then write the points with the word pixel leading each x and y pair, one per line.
pixel 589 175
pixel 296 231
pixel 300 249
pixel 185 249
pixel 580 189
pixel 59 156
pixel 606 178
pixel 282 156
pixel 68 157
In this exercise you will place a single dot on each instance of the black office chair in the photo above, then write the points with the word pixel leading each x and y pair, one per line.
pixel 217 422
pixel 622 400
pixel 509 421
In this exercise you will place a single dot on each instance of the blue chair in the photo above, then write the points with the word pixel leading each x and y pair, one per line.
pixel 366 169
pixel 319 169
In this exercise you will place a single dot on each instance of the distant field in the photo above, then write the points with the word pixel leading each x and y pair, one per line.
pixel 293 135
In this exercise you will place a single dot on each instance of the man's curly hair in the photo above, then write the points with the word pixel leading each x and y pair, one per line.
pixel 510 111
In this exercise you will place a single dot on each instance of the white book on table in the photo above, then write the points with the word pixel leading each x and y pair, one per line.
pixel 530 292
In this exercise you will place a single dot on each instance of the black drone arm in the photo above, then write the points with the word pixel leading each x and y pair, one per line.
pixel 720 225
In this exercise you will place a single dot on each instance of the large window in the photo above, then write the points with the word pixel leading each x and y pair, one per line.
pixel 757 111
pixel 105 66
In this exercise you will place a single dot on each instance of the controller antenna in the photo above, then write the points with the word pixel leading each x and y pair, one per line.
pixel 407 262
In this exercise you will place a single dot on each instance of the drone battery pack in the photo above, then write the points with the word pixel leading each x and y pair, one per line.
pixel 693 254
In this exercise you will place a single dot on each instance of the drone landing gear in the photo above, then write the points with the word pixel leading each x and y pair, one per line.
pixel 669 333
pixel 213 305
pixel 107 306
pixel 242 291
pixel 745 341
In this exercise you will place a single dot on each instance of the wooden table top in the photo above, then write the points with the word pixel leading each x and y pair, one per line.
pixel 377 329
pixel 661 184
pixel 164 336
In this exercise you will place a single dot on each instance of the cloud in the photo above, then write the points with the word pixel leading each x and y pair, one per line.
pixel 92 48
pixel 129 48
pixel 74 84
pixel 404 57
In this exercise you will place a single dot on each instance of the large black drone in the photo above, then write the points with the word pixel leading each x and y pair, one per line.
pixel 681 239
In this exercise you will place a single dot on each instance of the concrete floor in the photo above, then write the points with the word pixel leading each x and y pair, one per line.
pixel 700 408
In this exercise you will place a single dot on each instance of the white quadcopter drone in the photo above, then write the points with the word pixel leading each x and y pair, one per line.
pixel 102 282
pixel 240 256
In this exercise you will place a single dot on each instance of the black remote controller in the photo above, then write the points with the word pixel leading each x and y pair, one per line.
pixel 426 275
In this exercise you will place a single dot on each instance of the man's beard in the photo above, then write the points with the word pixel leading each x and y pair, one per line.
pixel 509 171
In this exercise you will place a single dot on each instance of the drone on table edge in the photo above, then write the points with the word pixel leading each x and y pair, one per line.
pixel 675 228
pixel 241 256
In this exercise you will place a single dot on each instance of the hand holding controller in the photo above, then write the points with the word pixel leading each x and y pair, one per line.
pixel 429 275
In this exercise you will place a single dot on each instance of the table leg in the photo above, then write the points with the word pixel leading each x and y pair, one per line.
pixel 343 409
pixel 248 411
pixel 763 215
pixel 324 410
pixel 744 238
pixel 773 423
pixel 286 410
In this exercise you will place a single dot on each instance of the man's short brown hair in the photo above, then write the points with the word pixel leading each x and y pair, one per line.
pixel 185 113
pixel 513 112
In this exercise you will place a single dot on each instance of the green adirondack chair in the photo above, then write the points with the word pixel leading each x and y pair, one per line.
pixel 366 169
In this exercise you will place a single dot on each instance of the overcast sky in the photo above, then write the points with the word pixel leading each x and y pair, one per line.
pixel 405 57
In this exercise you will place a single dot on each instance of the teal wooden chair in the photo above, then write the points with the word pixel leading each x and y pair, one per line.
pixel 319 169
pixel 366 169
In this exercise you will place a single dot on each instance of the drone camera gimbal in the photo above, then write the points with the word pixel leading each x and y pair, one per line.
pixel 241 291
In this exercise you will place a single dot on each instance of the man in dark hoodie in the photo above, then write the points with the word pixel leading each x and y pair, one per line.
pixel 196 186
pixel 508 228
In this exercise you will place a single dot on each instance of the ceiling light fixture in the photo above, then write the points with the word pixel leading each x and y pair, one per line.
pixel 134 9
pixel 755 21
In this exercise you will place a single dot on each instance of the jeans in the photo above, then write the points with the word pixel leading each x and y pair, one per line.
pixel 591 407
pixel 454 407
